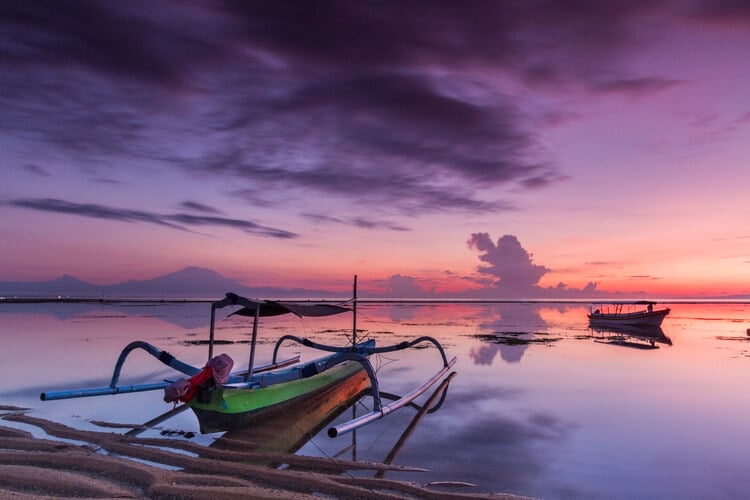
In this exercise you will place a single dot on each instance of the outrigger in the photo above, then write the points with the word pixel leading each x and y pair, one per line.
pixel 224 400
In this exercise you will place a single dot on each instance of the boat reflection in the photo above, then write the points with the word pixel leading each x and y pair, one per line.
pixel 293 427
pixel 433 404
pixel 635 336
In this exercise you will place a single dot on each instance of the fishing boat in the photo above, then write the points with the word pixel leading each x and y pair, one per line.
pixel 223 399
pixel 640 313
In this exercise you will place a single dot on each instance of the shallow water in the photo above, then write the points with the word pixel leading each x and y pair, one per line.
pixel 540 406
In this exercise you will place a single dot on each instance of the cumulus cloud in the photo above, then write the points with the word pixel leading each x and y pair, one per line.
pixel 509 271
pixel 508 264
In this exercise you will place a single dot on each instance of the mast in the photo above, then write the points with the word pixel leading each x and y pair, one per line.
pixel 354 348
pixel 254 340
pixel 354 315
pixel 211 332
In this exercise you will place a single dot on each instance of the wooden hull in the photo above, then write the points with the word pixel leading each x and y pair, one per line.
pixel 299 421
pixel 231 408
pixel 641 318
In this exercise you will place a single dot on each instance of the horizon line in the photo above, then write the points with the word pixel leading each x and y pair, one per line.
pixel 373 300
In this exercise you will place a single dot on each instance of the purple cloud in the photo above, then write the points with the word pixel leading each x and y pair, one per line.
pixel 507 262
pixel 361 222
pixel 721 11
pixel 375 104
pixel 637 86
pixel 36 170
pixel 407 287
pixel 180 221
pixel 194 206
pixel 509 271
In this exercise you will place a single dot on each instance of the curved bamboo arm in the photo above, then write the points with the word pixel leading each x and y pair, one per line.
pixel 162 356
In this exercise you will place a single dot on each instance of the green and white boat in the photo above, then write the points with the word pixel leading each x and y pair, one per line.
pixel 224 400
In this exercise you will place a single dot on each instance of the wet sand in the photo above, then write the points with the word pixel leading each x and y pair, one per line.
pixel 38 468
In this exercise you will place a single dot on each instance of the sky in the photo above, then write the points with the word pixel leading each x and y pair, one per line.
pixel 433 148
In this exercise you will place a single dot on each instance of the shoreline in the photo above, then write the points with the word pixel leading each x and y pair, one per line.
pixel 35 467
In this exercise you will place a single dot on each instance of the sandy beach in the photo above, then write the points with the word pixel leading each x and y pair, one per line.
pixel 95 466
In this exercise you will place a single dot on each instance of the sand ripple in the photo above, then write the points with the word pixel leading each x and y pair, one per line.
pixel 37 468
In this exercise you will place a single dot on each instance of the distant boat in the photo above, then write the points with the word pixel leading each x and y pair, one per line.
pixel 617 314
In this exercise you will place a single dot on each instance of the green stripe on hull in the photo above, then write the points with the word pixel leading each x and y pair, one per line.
pixel 231 408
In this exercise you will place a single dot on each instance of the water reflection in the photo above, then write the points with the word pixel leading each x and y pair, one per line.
pixel 509 332
pixel 507 447
pixel 185 315
pixel 293 427
pixel 550 427
pixel 635 336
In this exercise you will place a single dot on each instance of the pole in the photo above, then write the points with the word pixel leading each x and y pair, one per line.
pixel 249 373
pixel 354 315
pixel 211 333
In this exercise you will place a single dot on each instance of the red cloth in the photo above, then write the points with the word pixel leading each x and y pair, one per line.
pixel 222 366
pixel 183 390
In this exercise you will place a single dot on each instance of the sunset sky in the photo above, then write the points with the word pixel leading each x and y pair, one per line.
pixel 503 148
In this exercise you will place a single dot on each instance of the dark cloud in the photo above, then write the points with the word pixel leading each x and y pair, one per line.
pixel 92 210
pixel 387 104
pixel 178 221
pixel 36 170
pixel 535 40
pixel 361 222
pixel 199 207
pixel 135 40
pixel 637 86
pixel 106 180
pixel 721 11
pixel 241 224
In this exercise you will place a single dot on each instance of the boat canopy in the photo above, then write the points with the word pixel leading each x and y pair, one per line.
pixel 273 308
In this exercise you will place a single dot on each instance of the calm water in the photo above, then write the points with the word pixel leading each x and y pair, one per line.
pixel 540 405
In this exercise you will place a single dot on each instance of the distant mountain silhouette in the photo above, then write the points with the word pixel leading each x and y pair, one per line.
pixel 188 283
